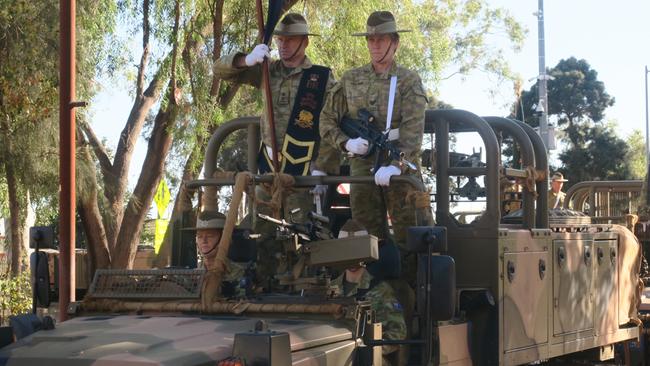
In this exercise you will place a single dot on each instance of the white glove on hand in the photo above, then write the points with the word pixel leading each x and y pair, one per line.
pixel 382 177
pixel 319 189
pixel 257 55
pixel 357 146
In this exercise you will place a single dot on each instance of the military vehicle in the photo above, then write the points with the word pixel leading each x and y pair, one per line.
pixel 528 287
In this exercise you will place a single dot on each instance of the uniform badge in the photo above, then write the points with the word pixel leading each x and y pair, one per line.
pixel 305 119
pixel 312 83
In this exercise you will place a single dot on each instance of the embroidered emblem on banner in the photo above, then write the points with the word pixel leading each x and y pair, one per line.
pixel 305 119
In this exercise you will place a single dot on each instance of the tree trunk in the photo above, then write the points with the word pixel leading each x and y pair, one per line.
pixel 152 169
pixel 91 219
pixel 17 219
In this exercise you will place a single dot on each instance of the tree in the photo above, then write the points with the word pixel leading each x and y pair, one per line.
pixel 635 158
pixel 577 101
pixel 28 99
pixel 574 95
pixel 601 157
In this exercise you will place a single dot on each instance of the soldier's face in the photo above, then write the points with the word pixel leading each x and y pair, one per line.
pixel 381 47
pixel 556 186
pixel 207 239
pixel 291 47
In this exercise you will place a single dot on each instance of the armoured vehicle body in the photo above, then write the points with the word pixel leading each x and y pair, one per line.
pixel 503 291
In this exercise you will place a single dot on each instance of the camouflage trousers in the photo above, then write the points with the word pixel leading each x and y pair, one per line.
pixel 270 250
pixel 369 204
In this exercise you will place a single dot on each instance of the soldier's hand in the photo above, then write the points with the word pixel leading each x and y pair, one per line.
pixel 382 177
pixel 319 189
pixel 257 55
pixel 358 146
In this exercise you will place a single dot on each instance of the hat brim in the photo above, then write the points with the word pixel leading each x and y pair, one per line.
pixel 390 32
pixel 288 34
pixel 200 228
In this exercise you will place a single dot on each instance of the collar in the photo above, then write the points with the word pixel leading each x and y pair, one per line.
pixel 386 75
pixel 306 64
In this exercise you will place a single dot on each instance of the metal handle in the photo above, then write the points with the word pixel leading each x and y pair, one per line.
pixel 587 256
pixel 561 256
pixel 599 255
pixel 511 271
pixel 542 269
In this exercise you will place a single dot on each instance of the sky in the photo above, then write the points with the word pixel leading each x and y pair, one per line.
pixel 612 36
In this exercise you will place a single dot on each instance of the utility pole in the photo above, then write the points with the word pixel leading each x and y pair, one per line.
pixel 67 145
pixel 542 105
pixel 647 142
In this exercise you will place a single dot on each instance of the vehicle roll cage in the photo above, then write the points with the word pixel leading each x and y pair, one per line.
pixel 441 123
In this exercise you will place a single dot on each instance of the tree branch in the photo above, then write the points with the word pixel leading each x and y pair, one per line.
pixel 217 35
pixel 98 147
pixel 145 47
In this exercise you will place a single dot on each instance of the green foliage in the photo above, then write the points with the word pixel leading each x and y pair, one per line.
pixel 601 157
pixel 4 198
pixel 15 295
pixel 635 159
pixel 29 39
pixel 445 34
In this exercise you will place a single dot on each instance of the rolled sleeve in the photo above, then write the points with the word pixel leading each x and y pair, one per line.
pixel 225 70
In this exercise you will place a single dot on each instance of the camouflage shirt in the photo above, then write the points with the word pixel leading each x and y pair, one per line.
pixel 284 86
pixel 383 302
pixel 554 198
pixel 364 88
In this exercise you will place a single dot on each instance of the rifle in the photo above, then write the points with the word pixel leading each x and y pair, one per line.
pixel 377 140
pixel 313 230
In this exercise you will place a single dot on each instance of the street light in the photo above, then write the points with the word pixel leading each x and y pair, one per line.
pixel 542 78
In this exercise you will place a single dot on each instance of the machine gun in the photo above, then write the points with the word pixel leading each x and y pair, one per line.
pixel 315 229
pixel 377 140
pixel 310 247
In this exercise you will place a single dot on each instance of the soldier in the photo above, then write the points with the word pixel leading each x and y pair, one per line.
pixel 209 226
pixel 369 87
pixel 298 88
pixel 357 281
pixel 555 194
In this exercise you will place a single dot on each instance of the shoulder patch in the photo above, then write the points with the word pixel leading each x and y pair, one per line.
pixel 418 89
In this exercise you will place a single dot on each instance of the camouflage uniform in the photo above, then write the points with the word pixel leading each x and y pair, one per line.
pixel 284 86
pixel 383 302
pixel 556 200
pixel 555 197
pixel 363 88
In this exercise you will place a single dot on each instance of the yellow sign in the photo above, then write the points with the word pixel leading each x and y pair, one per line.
pixel 162 198
pixel 159 234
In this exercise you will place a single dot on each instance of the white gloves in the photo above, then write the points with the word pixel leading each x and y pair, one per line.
pixel 257 55
pixel 320 189
pixel 382 177
pixel 358 146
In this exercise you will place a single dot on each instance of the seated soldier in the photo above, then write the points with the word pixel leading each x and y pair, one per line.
pixel 209 226
pixel 365 282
